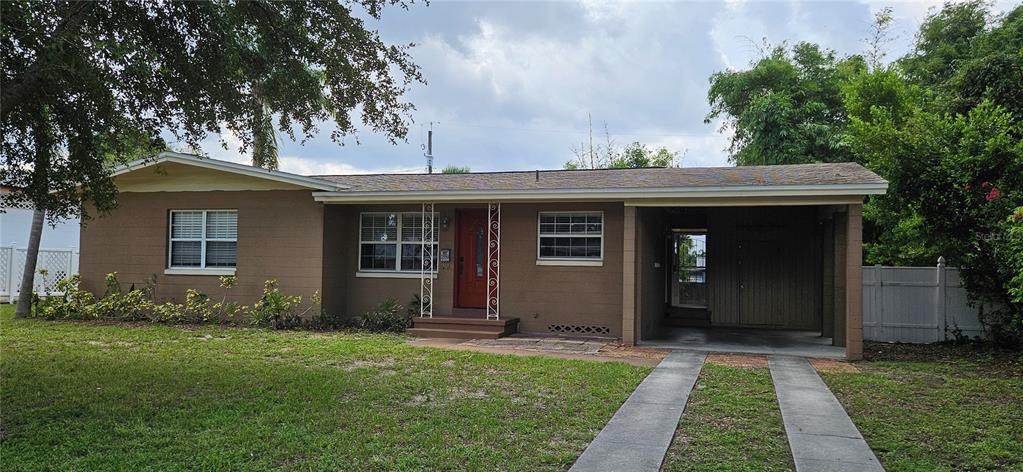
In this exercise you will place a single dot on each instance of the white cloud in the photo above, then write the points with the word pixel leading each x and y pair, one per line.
pixel 295 164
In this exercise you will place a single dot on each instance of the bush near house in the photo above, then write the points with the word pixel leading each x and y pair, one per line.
pixel 274 309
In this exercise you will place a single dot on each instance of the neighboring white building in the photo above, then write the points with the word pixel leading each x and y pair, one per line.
pixel 58 249
pixel 16 223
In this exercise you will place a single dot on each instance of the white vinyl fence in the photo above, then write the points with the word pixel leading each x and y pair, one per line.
pixel 916 304
pixel 59 263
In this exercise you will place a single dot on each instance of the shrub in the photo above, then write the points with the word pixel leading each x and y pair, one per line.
pixel 73 304
pixel 416 305
pixel 388 316
pixel 331 321
pixel 275 309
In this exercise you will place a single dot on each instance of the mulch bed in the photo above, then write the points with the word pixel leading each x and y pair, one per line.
pixel 984 355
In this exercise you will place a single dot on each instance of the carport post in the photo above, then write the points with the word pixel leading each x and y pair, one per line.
pixel 854 282
pixel 629 278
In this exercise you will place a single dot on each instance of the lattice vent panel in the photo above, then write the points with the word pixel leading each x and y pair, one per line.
pixel 592 330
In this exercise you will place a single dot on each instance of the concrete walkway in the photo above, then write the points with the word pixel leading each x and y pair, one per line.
pixel 638 435
pixel 821 435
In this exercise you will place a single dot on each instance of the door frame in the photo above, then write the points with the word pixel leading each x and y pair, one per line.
pixel 459 213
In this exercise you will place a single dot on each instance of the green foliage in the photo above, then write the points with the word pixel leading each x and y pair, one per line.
pixel 388 316
pixel 944 40
pixel 635 155
pixel 1014 233
pixel 415 305
pixel 86 84
pixel 275 309
pixel 456 170
pixel 944 125
pixel 954 182
pixel 787 108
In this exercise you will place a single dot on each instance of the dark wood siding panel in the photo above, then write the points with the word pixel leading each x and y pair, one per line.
pixel 763 266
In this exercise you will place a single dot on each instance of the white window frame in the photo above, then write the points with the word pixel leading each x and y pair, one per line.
pixel 397 272
pixel 569 260
pixel 203 239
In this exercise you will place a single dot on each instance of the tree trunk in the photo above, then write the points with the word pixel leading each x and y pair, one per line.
pixel 31 256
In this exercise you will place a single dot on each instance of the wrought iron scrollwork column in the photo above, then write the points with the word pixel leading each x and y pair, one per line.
pixel 493 261
pixel 426 258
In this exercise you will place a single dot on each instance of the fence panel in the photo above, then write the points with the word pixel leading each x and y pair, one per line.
pixel 55 264
pixel 916 304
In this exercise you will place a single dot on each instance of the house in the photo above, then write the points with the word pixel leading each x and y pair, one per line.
pixel 620 253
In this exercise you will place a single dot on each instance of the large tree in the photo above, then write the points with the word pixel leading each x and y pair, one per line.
pixel 78 79
pixel 943 125
pixel 787 107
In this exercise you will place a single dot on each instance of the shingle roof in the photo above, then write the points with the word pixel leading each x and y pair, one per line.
pixel 780 175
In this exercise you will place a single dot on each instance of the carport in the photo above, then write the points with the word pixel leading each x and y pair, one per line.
pixel 762 275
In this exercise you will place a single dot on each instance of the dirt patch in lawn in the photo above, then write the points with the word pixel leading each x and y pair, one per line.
pixel 743 361
pixel 832 365
pixel 621 350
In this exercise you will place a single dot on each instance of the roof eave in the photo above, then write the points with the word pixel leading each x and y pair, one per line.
pixel 232 167
pixel 605 194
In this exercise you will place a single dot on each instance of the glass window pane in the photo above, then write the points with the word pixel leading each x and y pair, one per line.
pixel 412 227
pixel 222 224
pixel 571 224
pixel 221 253
pixel 379 227
pixel 186 224
pixel 570 247
pixel 412 257
pixel 186 253
pixel 378 257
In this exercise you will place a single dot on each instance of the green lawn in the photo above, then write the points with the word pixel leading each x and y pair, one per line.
pixel 78 396
pixel 731 423
pixel 940 408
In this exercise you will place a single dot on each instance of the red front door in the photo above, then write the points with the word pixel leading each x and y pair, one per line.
pixel 471 259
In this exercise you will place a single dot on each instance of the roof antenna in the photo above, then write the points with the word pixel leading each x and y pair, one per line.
pixel 429 150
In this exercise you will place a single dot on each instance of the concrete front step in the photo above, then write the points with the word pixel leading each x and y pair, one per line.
pixel 462 328
pixel 452 333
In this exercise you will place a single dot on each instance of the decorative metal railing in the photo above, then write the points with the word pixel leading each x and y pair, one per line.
pixel 426 266
pixel 493 261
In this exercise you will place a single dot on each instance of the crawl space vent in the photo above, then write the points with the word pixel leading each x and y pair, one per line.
pixel 593 330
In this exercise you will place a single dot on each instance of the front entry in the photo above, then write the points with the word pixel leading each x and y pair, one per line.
pixel 471 247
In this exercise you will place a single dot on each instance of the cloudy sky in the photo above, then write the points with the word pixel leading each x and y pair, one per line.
pixel 510 85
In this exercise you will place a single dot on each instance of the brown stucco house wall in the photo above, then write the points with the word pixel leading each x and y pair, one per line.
pixel 280 236
pixel 785 241
pixel 533 293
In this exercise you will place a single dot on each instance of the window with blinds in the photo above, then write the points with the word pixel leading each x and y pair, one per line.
pixel 393 242
pixel 570 236
pixel 202 239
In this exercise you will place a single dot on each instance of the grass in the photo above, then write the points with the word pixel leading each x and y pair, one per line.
pixel 90 396
pixel 939 409
pixel 731 423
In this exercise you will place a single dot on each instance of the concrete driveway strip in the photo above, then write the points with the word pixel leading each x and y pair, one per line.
pixel 638 435
pixel 821 435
